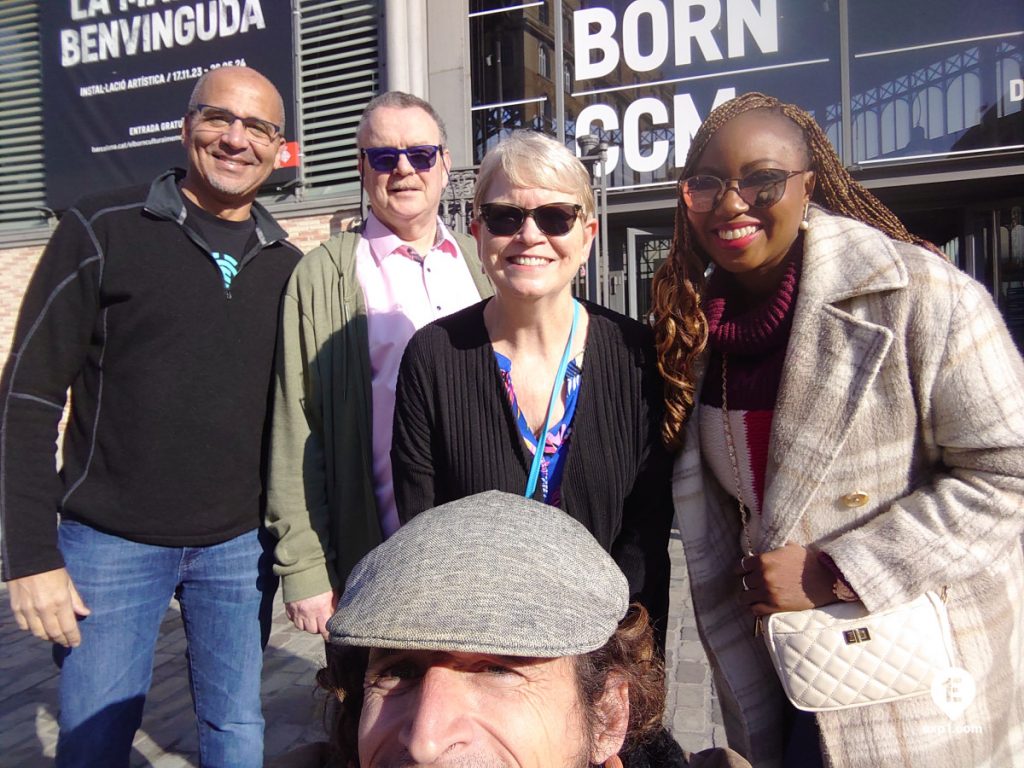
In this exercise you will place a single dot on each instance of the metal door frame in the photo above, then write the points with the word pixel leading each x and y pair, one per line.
pixel 633 262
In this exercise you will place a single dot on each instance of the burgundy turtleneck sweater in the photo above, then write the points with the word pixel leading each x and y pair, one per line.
pixel 753 339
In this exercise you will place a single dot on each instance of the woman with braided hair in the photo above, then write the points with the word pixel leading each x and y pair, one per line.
pixel 850 410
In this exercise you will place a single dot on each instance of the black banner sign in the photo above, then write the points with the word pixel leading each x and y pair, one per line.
pixel 117 75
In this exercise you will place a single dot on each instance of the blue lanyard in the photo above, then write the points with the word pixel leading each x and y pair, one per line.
pixel 538 454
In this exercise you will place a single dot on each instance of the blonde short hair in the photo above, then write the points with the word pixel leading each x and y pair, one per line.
pixel 531 160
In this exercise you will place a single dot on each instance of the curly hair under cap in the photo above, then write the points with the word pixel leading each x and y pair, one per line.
pixel 680 328
pixel 629 653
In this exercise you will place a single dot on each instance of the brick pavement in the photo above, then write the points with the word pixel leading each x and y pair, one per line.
pixel 167 738
pixel 692 712
pixel 28 690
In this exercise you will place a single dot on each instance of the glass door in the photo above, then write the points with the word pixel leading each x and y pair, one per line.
pixel 977 258
pixel 646 249
pixel 993 255
pixel 1009 262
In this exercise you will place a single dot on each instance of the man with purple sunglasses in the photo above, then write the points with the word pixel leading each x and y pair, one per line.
pixel 351 306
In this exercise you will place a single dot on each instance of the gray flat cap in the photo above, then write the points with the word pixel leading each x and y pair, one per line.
pixel 491 573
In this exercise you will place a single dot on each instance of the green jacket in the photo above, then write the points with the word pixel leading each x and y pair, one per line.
pixel 321 505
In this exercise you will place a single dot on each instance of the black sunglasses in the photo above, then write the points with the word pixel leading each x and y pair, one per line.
pixel 760 189
pixel 553 219
pixel 385 159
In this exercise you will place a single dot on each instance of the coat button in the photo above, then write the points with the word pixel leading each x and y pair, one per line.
pixel 853 500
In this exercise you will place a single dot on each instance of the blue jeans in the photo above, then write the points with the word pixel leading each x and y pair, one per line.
pixel 225 592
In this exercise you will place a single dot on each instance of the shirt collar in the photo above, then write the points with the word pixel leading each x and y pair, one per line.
pixel 383 242
pixel 165 200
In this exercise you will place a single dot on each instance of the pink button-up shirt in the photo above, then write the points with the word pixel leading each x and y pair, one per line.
pixel 403 292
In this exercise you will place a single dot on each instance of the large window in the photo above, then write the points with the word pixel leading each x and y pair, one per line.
pixel 641 77
pixel 513 64
pixel 926 78
pixel 935 83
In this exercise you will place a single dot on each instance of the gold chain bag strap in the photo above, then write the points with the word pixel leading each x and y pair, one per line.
pixel 840 656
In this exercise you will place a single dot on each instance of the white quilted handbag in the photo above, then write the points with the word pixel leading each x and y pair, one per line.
pixel 840 656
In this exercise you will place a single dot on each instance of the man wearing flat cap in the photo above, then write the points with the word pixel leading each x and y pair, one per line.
pixel 494 631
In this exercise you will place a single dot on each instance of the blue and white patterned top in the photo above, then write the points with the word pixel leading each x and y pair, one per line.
pixel 556 445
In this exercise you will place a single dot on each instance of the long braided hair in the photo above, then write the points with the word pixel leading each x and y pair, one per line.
pixel 680 328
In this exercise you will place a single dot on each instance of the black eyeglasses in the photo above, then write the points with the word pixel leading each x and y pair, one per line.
pixel 760 189
pixel 219 119
pixel 385 159
pixel 553 219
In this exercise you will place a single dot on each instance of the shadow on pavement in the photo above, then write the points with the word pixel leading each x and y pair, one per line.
pixel 167 738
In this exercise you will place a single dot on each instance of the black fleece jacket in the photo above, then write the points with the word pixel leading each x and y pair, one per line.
pixel 169 375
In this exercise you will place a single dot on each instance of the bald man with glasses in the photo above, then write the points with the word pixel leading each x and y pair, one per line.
pixel 157 306
pixel 349 310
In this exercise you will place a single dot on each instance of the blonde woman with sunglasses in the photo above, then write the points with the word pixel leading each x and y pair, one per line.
pixel 479 390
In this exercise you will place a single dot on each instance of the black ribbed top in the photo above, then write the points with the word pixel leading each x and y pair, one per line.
pixel 455 436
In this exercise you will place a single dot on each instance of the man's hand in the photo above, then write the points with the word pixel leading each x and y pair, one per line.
pixel 312 613
pixel 47 604
pixel 790 578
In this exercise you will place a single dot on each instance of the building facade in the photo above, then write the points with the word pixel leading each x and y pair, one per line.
pixel 922 100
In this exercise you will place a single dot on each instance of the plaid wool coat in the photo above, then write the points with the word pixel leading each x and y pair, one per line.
pixel 901 383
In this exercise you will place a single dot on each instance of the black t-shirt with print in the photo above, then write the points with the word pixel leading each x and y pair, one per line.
pixel 228 240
